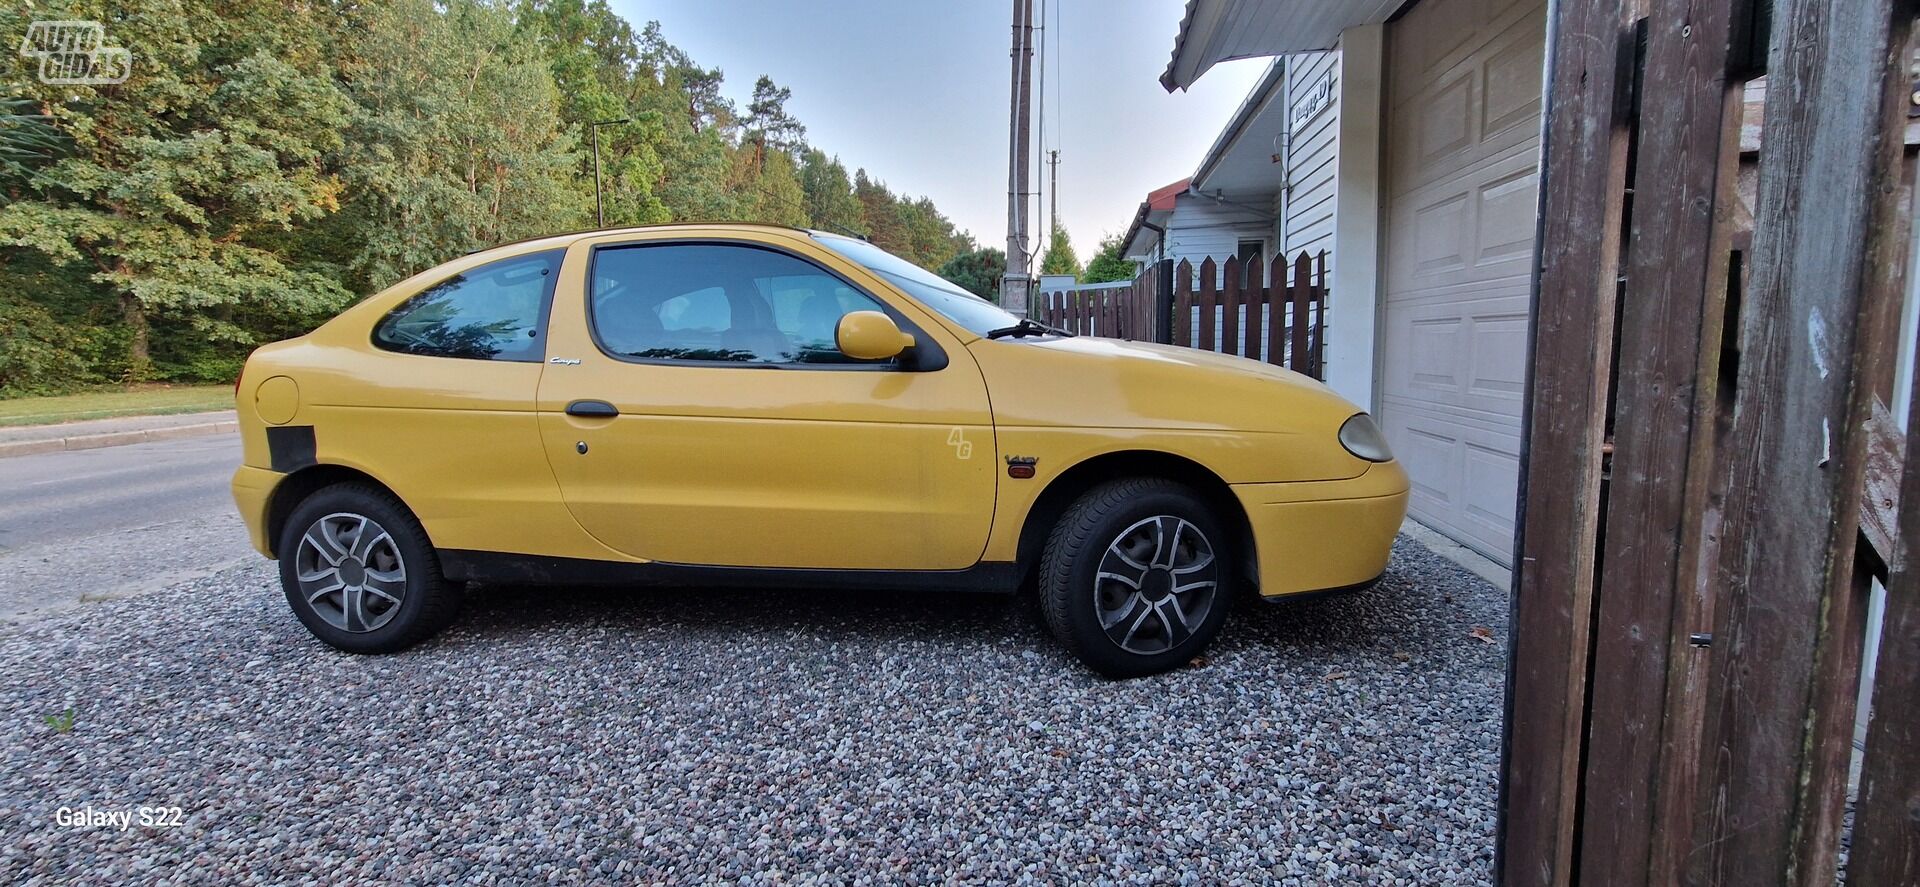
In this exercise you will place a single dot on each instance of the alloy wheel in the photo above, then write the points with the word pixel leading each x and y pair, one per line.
pixel 350 572
pixel 1156 584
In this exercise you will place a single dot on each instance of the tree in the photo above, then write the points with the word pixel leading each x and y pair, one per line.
pixel 1060 258
pixel 831 205
pixel 978 271
pixel 441 165
pixel 28 140
pixel 768 125
pixel 1108 263
pixel 267 162
pixel 175 190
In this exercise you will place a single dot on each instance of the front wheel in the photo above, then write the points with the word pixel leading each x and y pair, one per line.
pixel 359 571
pixel 1132 579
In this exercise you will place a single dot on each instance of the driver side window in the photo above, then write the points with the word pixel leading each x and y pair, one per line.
pixel 718 302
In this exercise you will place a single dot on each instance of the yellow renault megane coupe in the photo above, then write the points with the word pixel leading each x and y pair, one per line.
pixel 690 405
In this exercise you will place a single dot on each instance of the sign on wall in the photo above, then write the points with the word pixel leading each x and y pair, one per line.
pixel 1317 98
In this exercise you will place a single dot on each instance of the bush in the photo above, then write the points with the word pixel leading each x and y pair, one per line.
pixel 40 355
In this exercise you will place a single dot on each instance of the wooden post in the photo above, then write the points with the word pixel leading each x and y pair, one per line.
pixel 1582 182
pixel 1784 687
pixel 1181 322
pixel 1648 695
pixel 1230 308
pixel 1297 322
pixel 1163 302
pixel 1886 833
pixel 1320 316
pixel 1208 275
pixel 1277 312
pixel 1255 295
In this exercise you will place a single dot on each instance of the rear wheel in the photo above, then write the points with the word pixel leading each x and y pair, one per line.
pixel 359 572
pixel 1132 577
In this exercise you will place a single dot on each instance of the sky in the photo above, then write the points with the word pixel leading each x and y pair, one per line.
pixel 916 92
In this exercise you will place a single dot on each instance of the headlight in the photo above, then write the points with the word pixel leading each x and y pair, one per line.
pixel 1363 438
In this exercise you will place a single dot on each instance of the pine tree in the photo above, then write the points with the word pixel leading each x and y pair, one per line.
pixel 1059 258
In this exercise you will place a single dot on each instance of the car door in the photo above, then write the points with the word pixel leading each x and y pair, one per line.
pixel 711 420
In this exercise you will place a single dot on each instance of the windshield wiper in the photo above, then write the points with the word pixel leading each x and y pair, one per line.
pixel 1026 327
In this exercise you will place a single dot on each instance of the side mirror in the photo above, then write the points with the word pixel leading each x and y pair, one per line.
pixel 870 335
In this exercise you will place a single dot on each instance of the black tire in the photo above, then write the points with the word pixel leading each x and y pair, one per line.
pixel 1107 524
pixel 429 602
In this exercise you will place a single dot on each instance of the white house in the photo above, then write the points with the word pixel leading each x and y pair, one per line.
pixel 1402 139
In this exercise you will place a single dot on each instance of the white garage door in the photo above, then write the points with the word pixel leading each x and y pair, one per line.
pixel 1462 135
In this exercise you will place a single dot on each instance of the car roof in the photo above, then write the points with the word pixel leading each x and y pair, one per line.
pixel 565 238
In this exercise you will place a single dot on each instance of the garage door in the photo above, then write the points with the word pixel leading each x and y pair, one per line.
pixel 1463 119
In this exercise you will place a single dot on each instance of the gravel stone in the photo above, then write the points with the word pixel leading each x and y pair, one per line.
pixel 759 737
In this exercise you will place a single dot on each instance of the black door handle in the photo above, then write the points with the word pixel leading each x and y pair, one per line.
pixel 592 409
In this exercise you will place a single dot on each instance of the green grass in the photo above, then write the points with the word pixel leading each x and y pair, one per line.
pixel 143 400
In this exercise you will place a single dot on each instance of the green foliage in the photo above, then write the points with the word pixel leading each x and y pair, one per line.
pixel 1108 264
pixel 1060 258
pixel 978 271
pixel 60 721
pixel 268 162
pixel 28 140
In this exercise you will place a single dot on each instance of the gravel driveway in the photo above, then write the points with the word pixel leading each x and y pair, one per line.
pixel 755 736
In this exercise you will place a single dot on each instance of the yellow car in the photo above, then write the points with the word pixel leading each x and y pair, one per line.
pixel 753 405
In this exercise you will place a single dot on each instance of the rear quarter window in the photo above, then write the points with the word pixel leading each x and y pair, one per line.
pixel 497 311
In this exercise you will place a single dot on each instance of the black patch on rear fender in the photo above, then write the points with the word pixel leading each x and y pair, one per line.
pixel 290 447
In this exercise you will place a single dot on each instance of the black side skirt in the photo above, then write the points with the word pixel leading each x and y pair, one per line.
pixel 526 569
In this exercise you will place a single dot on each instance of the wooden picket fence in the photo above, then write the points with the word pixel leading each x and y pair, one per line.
pixel 1221 306
pixel 1113 312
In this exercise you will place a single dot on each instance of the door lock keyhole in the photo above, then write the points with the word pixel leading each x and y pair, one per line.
pixel 580 447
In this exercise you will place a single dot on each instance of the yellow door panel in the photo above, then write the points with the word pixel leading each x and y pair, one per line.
pixel 772 463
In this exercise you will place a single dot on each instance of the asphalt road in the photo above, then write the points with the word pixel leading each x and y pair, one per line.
pixel 99 524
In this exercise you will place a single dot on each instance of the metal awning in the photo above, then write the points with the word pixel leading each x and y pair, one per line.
pixel 1215 31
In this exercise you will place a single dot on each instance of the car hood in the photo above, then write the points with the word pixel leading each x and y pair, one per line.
pixel 1111 383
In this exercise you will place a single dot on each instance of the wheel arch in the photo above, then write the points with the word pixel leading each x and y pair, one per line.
pixel 296 487
pixel 1070 485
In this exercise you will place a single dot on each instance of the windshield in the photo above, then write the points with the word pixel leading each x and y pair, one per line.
pixel 978 315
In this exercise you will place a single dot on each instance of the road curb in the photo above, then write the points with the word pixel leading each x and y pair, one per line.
pixel 115 438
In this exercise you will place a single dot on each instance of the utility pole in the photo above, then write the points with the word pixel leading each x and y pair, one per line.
pixel 1053 191
pixel 599 209
pixel 1015 285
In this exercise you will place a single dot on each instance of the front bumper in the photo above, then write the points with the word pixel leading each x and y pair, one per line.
pixel 252 492
pixel 1317 535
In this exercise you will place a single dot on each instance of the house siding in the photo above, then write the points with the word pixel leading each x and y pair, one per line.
pixel 1202 228
pixel 1306 206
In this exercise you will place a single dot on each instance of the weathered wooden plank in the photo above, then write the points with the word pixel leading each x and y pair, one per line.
pixel 1299 317
pixel 1880 503
pixel 1787 655
pixel 1583 176
pixel 1886 834
pixel 1230 306
pixel 1207 282
pixel 1320 315
pixel 1255 297
pixel 1644 725
pixel 1277 312
pixel 1183 304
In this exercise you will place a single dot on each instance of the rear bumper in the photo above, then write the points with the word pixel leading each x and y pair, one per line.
pixel 252 492
pixel 1321 535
